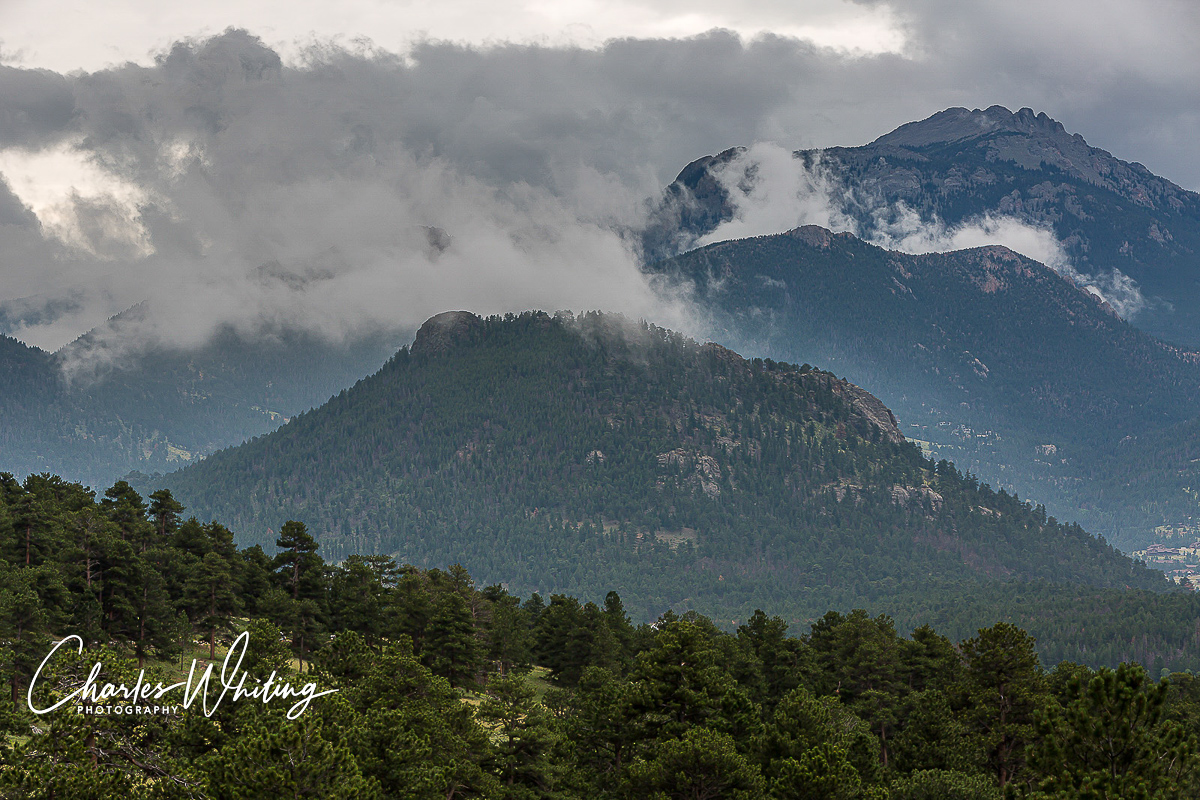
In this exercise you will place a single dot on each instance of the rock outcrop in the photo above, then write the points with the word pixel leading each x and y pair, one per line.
pixel 443 331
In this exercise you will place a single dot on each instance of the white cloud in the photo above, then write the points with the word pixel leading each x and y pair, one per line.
pixel 771 191
pixel 774 192
pixel 909 233
pixel 77 201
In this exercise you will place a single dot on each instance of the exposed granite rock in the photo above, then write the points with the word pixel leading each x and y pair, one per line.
pixel 443 331
pixel 870 407
pixel 813 236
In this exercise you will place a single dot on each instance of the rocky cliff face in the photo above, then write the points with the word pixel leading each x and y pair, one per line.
pixel 871 407
pixel 443 331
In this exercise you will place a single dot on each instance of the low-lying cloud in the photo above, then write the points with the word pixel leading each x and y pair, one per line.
pixel 771 191
pixel 907 232
pixel 219 190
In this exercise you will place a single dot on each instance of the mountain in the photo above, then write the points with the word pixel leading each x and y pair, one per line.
pixel 994 360
pixel 1114 219
pixel 586 454
pixel 78 414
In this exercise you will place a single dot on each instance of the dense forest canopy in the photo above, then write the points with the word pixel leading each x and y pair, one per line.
pixel 446 689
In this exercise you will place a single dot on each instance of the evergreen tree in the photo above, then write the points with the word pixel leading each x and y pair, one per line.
pixel 701 765
pixel 297 550
pixel 451 648
pixel 1109 740
pixel 412 731
pixel 1005 688
pixel 212 598
pixel 165 511
pixel 275 757
pixel 510 640
pixel 301 571
pixel 681 684
pixel 523 737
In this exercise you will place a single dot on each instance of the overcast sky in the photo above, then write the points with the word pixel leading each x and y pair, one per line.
pixel 283 173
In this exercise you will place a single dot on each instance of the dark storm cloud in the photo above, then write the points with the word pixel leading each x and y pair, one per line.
pixel 35 106
pixel 272 194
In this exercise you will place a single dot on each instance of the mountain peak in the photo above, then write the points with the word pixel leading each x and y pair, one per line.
pixel 1032 141
pixel 959 124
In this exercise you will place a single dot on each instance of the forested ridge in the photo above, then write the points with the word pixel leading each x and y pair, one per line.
pixel 449 689
pixel 91 412
pixel 1017 342
pixel 987 363
pixel 1008 368
pixel 579 456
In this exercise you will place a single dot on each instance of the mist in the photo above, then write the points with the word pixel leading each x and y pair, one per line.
pixel 771 191
pixel 221 190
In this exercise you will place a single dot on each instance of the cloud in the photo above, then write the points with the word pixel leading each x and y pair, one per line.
pixel 907 232
pixel 36 106
pixel 222 190
pixel 233 187
pixel 773 192
pixel 63 35
pixel 901 228
pixel 77 203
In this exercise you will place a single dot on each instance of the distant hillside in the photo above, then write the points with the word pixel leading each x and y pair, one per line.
pixel 960 164
pixel 564 454
pixel 1005 367
pixel 165 407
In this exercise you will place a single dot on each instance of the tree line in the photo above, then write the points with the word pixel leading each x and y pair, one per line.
pixel 450 689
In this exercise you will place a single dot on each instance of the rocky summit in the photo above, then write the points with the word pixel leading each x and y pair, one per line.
pixel 1133 232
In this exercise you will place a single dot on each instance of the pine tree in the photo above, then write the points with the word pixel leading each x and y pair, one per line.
pixel 165 511
pixel 1003 683
pixel 1109 739
pixel 297 547
pixel 702 765
pixel 451 648
pixel 211 597
pixel 523 736
pixel 301 570
pixel 277 757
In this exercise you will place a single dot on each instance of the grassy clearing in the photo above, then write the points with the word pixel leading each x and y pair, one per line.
pixel 537 678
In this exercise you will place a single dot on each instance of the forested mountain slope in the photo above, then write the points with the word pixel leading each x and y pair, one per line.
pixel 564 454
pixel 959 165
pixel 103 416
pixel 423 684
pixel 1009 369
